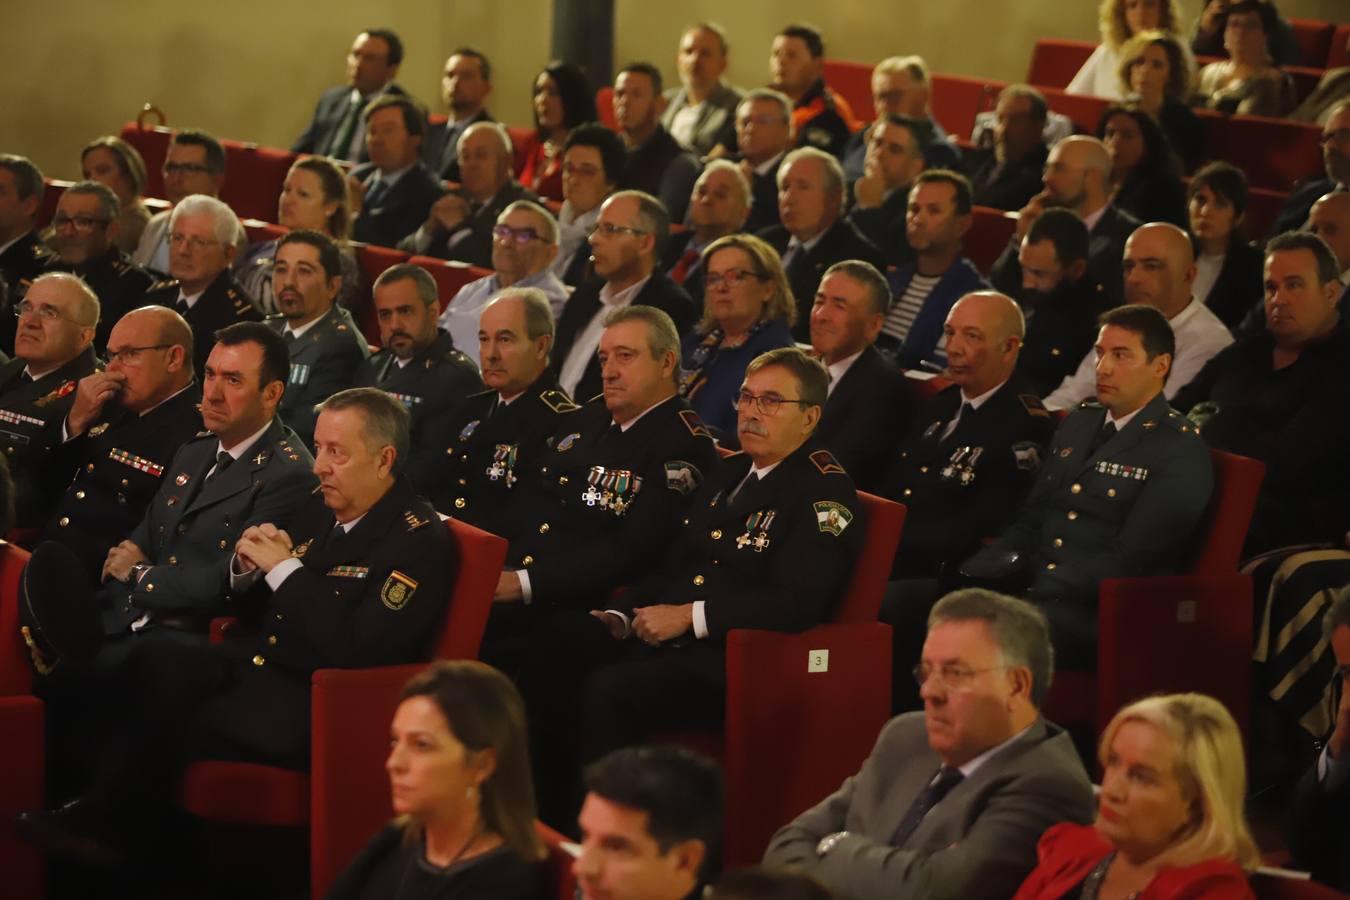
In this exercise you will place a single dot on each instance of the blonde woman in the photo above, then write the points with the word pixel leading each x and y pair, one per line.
pixel 1156 74
pixel 1118 21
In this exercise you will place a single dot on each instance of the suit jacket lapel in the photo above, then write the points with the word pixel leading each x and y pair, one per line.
pixel 239 475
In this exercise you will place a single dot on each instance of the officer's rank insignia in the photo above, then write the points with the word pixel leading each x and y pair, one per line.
pixel 503 464
pixel 300 551
pixel 832 517
pixel 14 418
pixel 566 443
pixel 1027 455
pixel 467 430
pixel 98 429
pixel 558 401
pixel 361 573
pixel 818 137
pixel 299 373
pixel 397 590
pixel 682 477
pixel 694 423
pixel 53 396
pixel 827 464
pixel 932 429
pixel 182 479
pixel 1149 425
pixel 1033 405
pixel 414 521
pixel 761 520
pixel 138 463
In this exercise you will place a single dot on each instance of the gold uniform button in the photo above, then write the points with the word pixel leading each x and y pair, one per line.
pixel 1054 351
pixel 64 521
pixel 464 458
pixel 562 479
pixel 543 470
pixel 462 482
pixel 79 495
pixel 1050 566
pixel 1059 542
pixel 459 503
pixel 272 639
pixel 449 451
pixel 258 660
pixel 223 545
pixel 125 482
pixel 149 587
pixel 543 529
pixel 716 534
pixel 1110 492
pixel 686 520
pixel 1073 514
pixel 923 470
pixel 908 492
pixel 1076 489
pixel 173 560
pixel 527 561
pixel 698 581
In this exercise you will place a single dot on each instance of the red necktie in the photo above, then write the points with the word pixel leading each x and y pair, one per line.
pixel 681 270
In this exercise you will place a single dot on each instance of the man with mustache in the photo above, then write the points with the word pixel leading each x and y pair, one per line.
pixel 326 347
pixel 420 367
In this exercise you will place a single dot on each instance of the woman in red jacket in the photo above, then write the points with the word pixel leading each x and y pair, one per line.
pixel 1169 820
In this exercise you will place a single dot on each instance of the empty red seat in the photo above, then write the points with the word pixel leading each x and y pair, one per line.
pixel 853 82
pixel 22 779
pixel 520 141
pixel 1339 54
pixel 1263 208
pixel 1314 38
pixel 1054 62
pixel 450 275
pixel 990 231
pixel 1083 110
pixel 1275 153
pixel 956 101
pixel 604 107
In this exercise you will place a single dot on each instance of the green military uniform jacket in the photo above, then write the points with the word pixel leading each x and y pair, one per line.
pixel 324 361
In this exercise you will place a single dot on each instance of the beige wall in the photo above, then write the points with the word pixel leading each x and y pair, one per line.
pixel 79 69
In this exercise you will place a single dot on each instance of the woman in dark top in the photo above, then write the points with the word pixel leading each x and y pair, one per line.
pixel 1156 74
pixel 563 99
pixel 1228 270
pixel 459 774
pixel 1143 177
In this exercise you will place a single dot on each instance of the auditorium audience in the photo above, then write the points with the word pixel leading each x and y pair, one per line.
pixel 23 256
pixel 1156 73
pixel 900 87
pixel 112 161
pixel 1144 182
pixel 1170 820
pixel 894 159
pixel 701 112
pixel 1227 268
pixel 763 137
pixel 1008 175
pixel 593 161
pixel 563 99
pixel 1117 22
pixel 1330 220
pixel 338 128
pixel 313 197
pixel 764 883
pixel 1247 83
pixel 657 164
pixel 392 194
pixel 465 86
pixel 459 777
pixel 821 118
pixel 748 309
pixel 193 164
pixel 1336 166
pixel 1208 37
pixel 718 207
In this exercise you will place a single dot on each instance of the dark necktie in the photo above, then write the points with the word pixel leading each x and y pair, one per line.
pixel 377 192
pixel 681 270
pixel 752 477
pixel 1108 431
pixel 342 138
pixel 181 305
pixel 25 378
pixel 223 461
pixel 966 410
pixel 929 797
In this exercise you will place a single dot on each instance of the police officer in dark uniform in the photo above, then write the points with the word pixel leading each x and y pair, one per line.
pixel 420 366
pixel 24 256
pixel 202 231
pixel 1124 484
pixel 84 233
pixel 326 346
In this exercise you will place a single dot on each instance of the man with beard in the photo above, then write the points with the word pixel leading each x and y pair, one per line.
pixel 1009 175
pixel 465 85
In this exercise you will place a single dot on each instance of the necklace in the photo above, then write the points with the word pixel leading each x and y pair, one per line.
pixel 412 861
pixel 1092 885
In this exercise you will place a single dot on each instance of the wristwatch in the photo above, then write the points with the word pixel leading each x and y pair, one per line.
pixel 829 842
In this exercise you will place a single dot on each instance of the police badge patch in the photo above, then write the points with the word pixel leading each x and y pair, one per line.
pixel 1027 455
pixel 397 590
pixel 682 477
pixel 832 517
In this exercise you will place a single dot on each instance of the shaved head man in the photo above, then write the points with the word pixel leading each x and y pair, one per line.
pixel 984 331
pixel 1330 220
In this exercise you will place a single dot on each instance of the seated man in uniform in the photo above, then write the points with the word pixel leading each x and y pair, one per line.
pixel 952 800
pixel 365 542
pixel 821 118
pixel 325 345
pixel 419 366
pixel 53 351
pixel 493 437
pixel 1123 486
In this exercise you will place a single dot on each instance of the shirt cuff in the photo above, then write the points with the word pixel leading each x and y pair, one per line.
pixel 627 623
pixel 526 594
pixel 281 571
pixel 65 432
pixel 1332 773
pixel 700 620
pixel 242 581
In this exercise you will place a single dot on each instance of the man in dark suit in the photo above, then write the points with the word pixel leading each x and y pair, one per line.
pixel 868 406
pixel 901 86
pixel 701 113
pixel 814 235
pixel 627 241
pixel 459 224
pixel 202 290
pixel 953 800
pixel 23 255
pixel 338 128
pixel 1335 160
pixel 763 137
pixel 465 86
pixel 1009 175
pixel 657 164
pixel 326 347
pixel 718 207
pixel 881 196
pixel 418 365
pixel 395 189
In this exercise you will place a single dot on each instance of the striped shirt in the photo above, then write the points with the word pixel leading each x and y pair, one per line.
pixel 905 310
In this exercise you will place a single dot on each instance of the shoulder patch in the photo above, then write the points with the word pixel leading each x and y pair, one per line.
pixel 694 424
pixel 1033 405
pixel 397 590
pixel 163 285
pixel 1027 455
pixel 558 401
pixel 832 517
pixel 682 476
pixel 1089 404
pixel 824 461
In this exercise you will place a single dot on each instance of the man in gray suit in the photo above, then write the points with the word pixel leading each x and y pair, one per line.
pixel 701 113
pixel 952 800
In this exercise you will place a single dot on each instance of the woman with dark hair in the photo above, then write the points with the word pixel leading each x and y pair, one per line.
pixel 1228 270
pixel 313 196
pixel 1156 72
pixel 563 99
pixel 459 773
pixel 1247 83
pixel 112 161
pixel 1143 178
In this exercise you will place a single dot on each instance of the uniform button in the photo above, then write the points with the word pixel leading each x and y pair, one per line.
pixel 698 581
pixel 64 521
pixel 462 482
pixel 272 639
pixel 79 495
pixel 543 529
pixel 149 587
pixel 121 498
pixel 908 492
pixel 1073 514
pixel 89 468
pixel 1054 351
pixel 182 528
pixel 1059 542
pixel 923 470
pixel 173 560
pixel 1050 566
pixel 223 545
pixel 459 503
pixel 717 562
pixel 1110 492
pixel 562 479
pixel 125 482
pixel 904 454
pixel 449 451
pixel 716 534
pixel 543 470
pixel 686 520
pixel 258 660
pixel 1076 489
pixel 527 561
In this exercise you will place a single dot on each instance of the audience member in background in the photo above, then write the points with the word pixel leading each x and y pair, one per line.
pixel 1156 73
pixel 465 86
pixel 881 196
pixel 593 160
pixel 193 164
pixel 814 235
pixel 952 800
pixel 1247 83
pixel 419 366
pixel 1336 164
pixel 1208 38
pixel 1059 303
pixel 392 194
pixel 338 129
pixel 1144 182
pixel 84 232
pixel 821 118
pixel 1330 220
pixel 1170 819
pixel 1122 489
pixel 626 244
pixel 1332 88
pixel 1009 175
pixel 459 775
pixel 763 883
pixel 656 163
pixel 900 87
pixel 1227 268
pixel 701 113
pixel 1160 273
pixel 1271 396
pixel 313 197
pixel 524 246
pixel 23 256
pixel 763 137
pixel 936 224
pixel 1118 21
pixel 748 309
pixel 112 161
pixel 651 825
pixel 1077 177
pixel 461 223
pixel 718 207
pixel 201 232
pixel 563 99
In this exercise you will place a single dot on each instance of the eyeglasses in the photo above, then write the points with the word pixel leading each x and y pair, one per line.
pixel 731 278
pixel 609 228
pixel 131 356
pixel 45 312
pixel 191 241
pixel 953 678
pixel 1339 136
pixel 521 236
pixel 186 169
pixel 79 223
pixel 767 404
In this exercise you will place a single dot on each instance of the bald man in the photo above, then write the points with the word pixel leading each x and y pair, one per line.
pixel 123 428
pixel 1078 177
pixel 1159 271
pixel 1330 220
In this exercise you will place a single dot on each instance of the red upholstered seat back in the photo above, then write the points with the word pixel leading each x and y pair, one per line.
pixel 1237 481
pixel 861 600
pixel 1314 38
pixel 990 231
pixel 1054 62
pixel 853 82
pixel 450 275
pixel 562 885
pixel 16 675
pixel 481 557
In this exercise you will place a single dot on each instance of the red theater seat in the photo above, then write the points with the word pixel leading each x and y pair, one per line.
pixel 450 275
pixel 957 100
pixel 853 82
pixel 1273 886
pixel 520 138
pixel 1305 79
pixel 1054 62
pixel 561 883
pixel 1314 38
pixel 51 195
pixel 372 260
pixel 604 108
pixel 1263 208
pixel 22 779
pixel 1275 153
pixel 1084 111
pixel 262 231
pixel 153 144
pixel 990 231
pixel 1339 54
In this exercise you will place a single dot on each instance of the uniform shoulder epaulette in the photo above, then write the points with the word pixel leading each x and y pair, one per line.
pixel 121 266
pixel 558 401
pixel 824 461
pixel 414 521
pixel 285 447
pixel 694 424
pixel 1089 404
pixel 1033 405
pixel 241 302
pixel 203 434
pixel 452 357
pixel 163 285
pixel 1181 423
